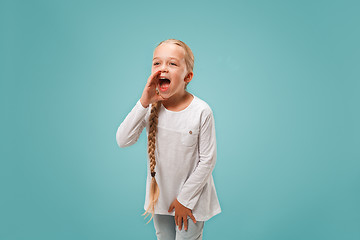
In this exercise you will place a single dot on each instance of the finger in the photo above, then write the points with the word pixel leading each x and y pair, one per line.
pixel 180 222
pixel 154 77
pixel 155 74
pixel 185 223
pixel 192 217
pixel 176 220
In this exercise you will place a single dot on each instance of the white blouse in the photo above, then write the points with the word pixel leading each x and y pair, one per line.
pixel 185 156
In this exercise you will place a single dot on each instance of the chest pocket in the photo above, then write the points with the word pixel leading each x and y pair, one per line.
pixel 189 137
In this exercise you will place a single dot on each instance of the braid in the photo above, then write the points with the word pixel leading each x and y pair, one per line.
pixel 154 188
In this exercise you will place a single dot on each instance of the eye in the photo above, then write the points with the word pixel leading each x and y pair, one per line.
pixel 173 64
pixel 156 63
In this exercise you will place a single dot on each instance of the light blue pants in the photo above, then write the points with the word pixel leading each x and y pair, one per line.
pixel 166 228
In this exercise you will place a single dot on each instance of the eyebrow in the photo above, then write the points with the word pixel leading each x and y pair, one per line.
pixel 170 58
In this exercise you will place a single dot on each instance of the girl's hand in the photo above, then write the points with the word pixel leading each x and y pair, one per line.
pixel 181 213
pixel 150 94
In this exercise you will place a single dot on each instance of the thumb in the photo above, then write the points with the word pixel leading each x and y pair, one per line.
pixel 171 207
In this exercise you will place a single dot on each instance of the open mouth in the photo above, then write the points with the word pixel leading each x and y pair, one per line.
pixel 164 84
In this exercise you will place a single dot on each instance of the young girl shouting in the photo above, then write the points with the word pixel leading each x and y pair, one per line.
pixel 180 127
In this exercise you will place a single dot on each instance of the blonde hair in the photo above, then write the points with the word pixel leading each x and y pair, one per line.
pixel 153 121
pixel 154 188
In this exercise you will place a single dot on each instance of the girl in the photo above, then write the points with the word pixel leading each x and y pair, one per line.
pixel 181 145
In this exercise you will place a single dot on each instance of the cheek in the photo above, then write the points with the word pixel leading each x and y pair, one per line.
pixel 178 74
pixel 181 74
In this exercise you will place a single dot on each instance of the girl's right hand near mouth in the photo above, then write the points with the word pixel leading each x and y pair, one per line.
pixel 149 94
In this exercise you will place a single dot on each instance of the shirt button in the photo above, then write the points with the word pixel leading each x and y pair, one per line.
pixel 190 132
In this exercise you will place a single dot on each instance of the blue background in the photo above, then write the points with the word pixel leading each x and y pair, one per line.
pixel 282 78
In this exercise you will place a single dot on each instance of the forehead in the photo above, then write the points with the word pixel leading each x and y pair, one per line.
pixel 169 50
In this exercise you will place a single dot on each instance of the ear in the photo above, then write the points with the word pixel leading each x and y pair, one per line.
pixel 188 77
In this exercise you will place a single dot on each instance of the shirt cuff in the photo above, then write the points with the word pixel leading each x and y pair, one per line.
pixel 140 105
pixel 185 203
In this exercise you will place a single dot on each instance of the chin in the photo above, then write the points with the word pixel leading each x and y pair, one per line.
pixel 166 95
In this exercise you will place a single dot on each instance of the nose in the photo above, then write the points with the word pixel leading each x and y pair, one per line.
pixel 163 68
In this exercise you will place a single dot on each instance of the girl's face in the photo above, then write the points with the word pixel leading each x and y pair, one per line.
pixel 169 58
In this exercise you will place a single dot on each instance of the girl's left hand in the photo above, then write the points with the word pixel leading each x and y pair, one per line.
pixel 181 213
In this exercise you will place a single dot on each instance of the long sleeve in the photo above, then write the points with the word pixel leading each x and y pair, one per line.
pixel 192 188
pixel 130 129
